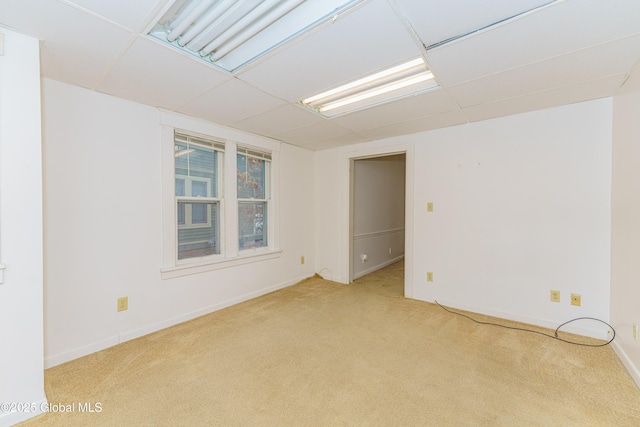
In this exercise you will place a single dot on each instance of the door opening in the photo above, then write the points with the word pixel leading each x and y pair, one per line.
pixel 377 219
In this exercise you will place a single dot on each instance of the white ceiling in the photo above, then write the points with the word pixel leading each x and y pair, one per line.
pixel 501 57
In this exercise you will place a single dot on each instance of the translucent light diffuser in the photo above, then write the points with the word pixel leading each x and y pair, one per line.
pixel 232 33
pixel 402 80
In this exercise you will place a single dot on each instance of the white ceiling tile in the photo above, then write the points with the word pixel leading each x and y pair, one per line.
pixel 435 22
pixel 613 58
pixel 230 102
pixel 277 121
pixel 567 51
pixel 553 30
pixel 549 98
pixel 367 39
pixel 403 110
pixel 338 141
pixel 77 48
pixel 158 75
pixel 448 118
pixel 321 130
pixel 128 13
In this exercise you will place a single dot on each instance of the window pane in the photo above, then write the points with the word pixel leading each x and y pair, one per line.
pixel 199 213
pixel 180 187
pixel 180 192
pixel 251 177
pixel 252 225
pixel 199 189
pixel 201 239
pixel 196 161
pixel 181 213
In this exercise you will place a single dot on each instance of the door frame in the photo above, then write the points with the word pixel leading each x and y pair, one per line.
pixel 350 158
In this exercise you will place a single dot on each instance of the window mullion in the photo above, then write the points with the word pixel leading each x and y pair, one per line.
pixel 231 198
pixel 272 205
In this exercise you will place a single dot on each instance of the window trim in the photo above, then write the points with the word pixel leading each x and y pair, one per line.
pixel 230 256
pixel 218 263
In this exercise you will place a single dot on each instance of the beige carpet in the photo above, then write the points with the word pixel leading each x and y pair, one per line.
pixel 325 354
pixel 388 281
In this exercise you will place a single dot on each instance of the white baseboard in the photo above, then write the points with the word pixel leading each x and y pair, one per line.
pixel 377 267
pixel 571 328
pixel 8 419
pixel 137 333
pixel 631 367
pixel 51 361
pixel 57 359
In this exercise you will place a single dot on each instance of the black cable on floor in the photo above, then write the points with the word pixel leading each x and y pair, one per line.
pixel 555 336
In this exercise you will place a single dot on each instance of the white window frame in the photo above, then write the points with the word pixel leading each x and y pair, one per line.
pixel 230 255
pixel 188 214
pixel 208 143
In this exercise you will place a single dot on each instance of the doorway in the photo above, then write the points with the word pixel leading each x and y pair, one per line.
pixel 377 220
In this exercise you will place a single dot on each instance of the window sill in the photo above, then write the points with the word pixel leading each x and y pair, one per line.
pixel 210 265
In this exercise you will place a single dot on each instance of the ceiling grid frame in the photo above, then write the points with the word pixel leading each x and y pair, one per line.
pixel 342 51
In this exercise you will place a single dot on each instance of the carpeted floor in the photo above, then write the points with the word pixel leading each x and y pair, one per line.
pixel 325 354
pixel 387 281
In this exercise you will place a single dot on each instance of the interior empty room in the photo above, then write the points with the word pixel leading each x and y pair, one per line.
pixel 319 212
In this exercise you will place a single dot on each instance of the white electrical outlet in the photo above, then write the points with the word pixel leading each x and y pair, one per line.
pixel 364 258
pixel 635 331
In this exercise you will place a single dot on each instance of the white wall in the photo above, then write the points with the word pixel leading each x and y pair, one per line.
pixel 103 202
pixel 21 348
pixel 522 206
pixel 378 213
pixel 625 230
pixel 332 206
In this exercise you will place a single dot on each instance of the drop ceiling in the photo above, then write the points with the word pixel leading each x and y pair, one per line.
pixel 492 58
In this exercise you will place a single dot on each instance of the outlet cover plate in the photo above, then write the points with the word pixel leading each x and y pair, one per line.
pixel 123 303
pixel 575 299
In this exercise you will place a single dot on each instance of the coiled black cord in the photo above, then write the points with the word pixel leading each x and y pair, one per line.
pixel 555 336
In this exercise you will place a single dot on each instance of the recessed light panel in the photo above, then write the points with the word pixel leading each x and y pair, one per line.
pixel 399 81
pixel 231 33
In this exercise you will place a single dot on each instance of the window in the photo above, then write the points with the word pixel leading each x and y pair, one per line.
pixel 253 178
pixel 198 166
pixel 219 209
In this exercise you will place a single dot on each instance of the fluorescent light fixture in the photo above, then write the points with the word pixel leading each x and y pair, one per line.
pixel 232 33
pixel 376 92
pixel 408 78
